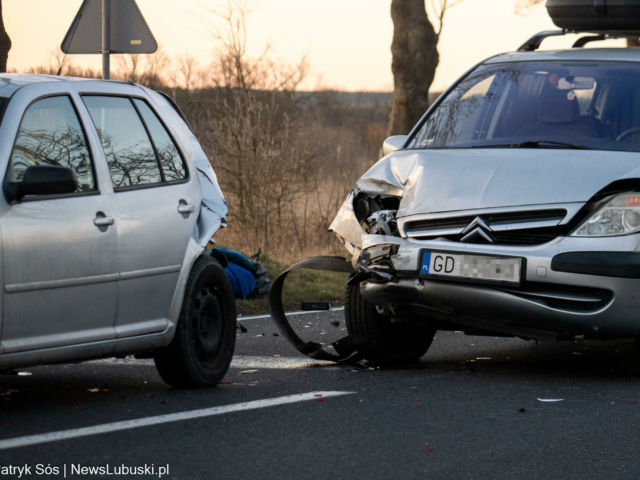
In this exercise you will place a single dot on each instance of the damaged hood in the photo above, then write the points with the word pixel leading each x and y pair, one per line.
pixel 431 181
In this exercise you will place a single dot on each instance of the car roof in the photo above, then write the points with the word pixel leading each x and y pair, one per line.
pixel 11 82
pixel 597 54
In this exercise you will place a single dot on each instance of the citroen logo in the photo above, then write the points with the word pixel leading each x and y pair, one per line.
pixel 476 230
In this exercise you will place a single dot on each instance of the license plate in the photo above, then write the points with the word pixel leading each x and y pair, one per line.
pixel 470 266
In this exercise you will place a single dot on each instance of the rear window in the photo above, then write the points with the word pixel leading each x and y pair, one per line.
pixel 593 104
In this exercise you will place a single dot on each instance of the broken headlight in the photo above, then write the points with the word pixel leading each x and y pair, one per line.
pixel 618 216
pixel 377 215
pixel 383 222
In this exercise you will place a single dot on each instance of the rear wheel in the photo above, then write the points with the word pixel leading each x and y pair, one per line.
pixel 201 350
pixel 381 340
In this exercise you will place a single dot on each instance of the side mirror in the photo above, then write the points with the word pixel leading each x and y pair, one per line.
pixel 394 143
pixel 42 180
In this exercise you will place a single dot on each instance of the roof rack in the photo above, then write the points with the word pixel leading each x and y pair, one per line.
pixel 596 36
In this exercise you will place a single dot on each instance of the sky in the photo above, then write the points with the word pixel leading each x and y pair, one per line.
pixel 347 41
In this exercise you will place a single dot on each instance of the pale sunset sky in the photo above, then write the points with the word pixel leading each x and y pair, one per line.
pixel 348 41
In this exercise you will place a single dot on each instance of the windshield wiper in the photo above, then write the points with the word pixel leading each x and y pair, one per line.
pixel 541 143
pixel 537 144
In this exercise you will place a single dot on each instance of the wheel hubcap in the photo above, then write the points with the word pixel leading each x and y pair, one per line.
pixel 206 318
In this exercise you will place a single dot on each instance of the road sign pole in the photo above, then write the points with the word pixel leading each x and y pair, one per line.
pixel 106 37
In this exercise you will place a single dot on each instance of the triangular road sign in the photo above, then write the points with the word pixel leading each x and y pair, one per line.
pixel 129 30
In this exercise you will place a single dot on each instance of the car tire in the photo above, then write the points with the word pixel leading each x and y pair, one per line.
pixel 378 338
pixel 201 350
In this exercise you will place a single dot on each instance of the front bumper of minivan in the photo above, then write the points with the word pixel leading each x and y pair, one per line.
pixel 570 286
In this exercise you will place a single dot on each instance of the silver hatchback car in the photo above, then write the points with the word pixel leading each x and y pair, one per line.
pixel 512 208
pixel 108 201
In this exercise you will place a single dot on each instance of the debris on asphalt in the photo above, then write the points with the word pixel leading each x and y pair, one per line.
pixel 242 328
pixel 551 399
pixel 310 306
pixel 335 323
pixel 248 371
pixel 275 334
pixel 522 410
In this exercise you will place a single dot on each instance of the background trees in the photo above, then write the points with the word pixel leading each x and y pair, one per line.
pixel 415 59
pixel 5 44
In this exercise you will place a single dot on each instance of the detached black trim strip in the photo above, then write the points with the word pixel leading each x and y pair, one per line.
pixel 604 264
pixel 345 347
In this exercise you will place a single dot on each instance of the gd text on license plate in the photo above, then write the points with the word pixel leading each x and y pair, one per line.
pixel 471 266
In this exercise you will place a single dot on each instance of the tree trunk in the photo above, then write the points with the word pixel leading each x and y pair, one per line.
pixel 415 59
pixel 5 44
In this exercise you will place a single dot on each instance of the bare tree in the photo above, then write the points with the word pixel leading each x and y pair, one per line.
pixel 187 65
pixel 525 7
pixel 256 136
pixel 129 67
pixel 415 58
pixel 233 67
pixel 155 68
pixel 5 44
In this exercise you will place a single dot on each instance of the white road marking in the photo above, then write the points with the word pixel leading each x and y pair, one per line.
pixel 160 419
pixel 250 361
pixel 239 361
pixel 288 314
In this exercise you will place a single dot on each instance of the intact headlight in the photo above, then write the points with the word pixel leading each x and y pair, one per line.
pixel 619 216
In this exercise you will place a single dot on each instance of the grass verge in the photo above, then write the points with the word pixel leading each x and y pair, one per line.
pixel 300 286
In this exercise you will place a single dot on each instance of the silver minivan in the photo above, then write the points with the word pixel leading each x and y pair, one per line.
pixel 108 202
pixel 512 208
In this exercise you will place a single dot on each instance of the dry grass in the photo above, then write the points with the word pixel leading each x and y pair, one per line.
pixel 300 286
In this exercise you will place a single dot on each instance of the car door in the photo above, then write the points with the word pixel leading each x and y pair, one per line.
pixel 59 252
pixel 155 203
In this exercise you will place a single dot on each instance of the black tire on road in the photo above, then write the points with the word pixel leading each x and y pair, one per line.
pixel 201 350
pixel 381 340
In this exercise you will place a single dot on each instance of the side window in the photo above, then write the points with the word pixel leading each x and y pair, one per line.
pixel 50 134
pixel 132 160
pixel 168 154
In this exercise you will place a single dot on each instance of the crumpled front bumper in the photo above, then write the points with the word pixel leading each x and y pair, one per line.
pixel 603 303
pixel 546 303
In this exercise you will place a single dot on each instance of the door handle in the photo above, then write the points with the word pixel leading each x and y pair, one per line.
pixel 186 208
pixel 103 221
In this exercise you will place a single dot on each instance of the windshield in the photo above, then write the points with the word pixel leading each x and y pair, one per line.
pixel 583 104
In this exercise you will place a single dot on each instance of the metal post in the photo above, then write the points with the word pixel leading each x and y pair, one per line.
pixel 106 37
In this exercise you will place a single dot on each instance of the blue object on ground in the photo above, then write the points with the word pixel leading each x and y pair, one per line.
pixel 237 258
pixel 242 280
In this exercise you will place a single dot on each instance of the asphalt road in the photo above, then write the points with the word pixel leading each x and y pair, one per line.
pixel 468 410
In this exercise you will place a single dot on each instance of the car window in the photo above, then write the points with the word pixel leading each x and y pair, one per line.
pixel 132 160
pixel 50 134
pixel 589 103
pixel 168 154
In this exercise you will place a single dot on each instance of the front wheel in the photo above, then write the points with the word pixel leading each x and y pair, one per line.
pixel 381 340
pixel 201 350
